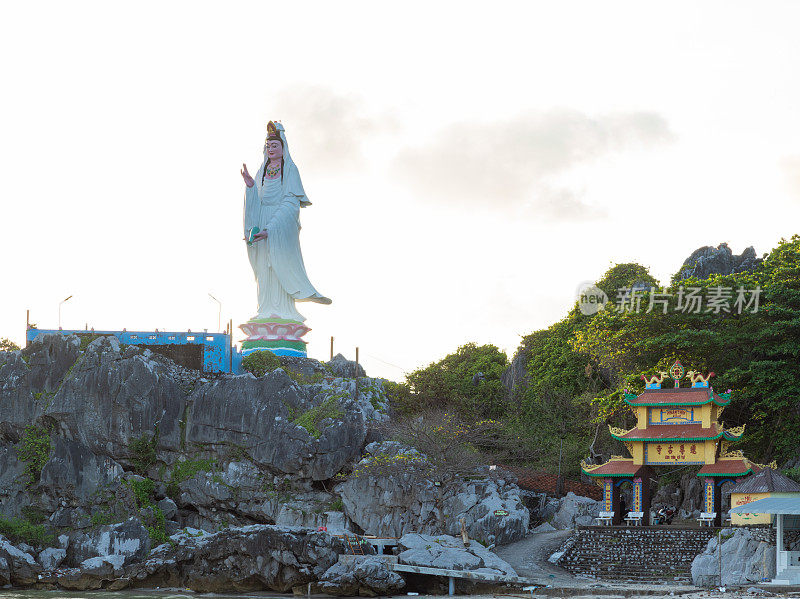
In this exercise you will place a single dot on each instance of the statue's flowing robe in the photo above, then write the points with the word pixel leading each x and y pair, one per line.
pixel 277 261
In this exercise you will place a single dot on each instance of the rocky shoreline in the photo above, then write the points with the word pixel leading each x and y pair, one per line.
pixel 121 469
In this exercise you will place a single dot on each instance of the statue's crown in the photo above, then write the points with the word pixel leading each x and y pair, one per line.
pixel 272 132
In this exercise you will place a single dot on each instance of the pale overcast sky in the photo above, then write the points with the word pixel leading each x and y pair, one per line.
pixel 470 164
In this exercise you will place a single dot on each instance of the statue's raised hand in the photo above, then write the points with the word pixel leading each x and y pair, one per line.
pixel 248 180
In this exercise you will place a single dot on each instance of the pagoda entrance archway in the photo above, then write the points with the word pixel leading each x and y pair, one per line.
pixel 712 492
pixel 675 426
pixel 639 485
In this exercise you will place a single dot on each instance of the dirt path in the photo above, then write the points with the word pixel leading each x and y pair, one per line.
pixel 529 556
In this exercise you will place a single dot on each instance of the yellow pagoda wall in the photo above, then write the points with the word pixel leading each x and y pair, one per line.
pixel 641 417
pixel 711 452
pixel 738 499
pixel 637 452
pixel 706 416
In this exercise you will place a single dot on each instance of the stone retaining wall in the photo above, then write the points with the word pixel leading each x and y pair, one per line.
pixel 633 553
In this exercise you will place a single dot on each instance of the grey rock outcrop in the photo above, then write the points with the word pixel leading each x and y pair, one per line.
pixel 444 551
pixel 576 510
pixel 113 397
pixel 258 416
pixel 74 472
pixel 251 558
pixel 408 501
pixel 691 488
pixel 16 566
pixel 686 496
pixel 305 367
pixel 746 556
pixel 51 558
pixel 30 378
pixel 12 481
pixel 341 366
pixel 515 377
pixel 367 577
pixel 669 494
pixel 128 540
pixel 707 261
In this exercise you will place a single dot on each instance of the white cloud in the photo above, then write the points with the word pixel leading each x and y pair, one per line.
pixel 331 127
pixel 515 162
pixel 791 172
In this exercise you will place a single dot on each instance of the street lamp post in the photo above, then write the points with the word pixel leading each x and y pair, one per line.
pixel 219 314
pixel 59 310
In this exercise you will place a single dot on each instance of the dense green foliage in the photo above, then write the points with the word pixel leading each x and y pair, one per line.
pixel 190 468
pixel 754 353
pixel 143 452
pixel 260 362
pixel 449 382
pixel 578 368
pixel 34 449
pixel 8 345
pixel 21 530
pixel 152 516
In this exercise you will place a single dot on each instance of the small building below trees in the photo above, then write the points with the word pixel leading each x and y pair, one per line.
pixel 674 426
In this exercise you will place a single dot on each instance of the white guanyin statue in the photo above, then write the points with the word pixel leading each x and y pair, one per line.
pixel 272 231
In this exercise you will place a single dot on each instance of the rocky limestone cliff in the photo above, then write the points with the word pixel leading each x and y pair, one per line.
pixel 111 453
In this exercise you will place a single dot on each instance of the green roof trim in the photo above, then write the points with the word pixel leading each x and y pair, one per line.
pixel 661 404
pixel 724 400
pixel 748 471
pixel 723 433
pixel 657 404
pixel 666 439
pixel 601 475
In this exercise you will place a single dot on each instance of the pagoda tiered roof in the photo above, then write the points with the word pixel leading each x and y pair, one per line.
pixel 729 467
pixel 678 432
pixel 678 396
pixel 616 466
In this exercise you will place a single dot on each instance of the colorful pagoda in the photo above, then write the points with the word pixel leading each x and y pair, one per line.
pixel 674 426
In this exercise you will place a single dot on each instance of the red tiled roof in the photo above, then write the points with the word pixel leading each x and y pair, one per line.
pixel 545 482
pixel 677 396
pixel 616 468
pixel 737 467
pixel 672 432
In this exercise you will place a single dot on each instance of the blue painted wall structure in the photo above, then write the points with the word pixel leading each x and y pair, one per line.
pixel 218 353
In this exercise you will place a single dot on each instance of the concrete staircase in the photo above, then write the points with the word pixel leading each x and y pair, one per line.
pixel 662 554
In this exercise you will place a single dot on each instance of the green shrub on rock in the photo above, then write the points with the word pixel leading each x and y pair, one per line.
pixel 260 362
pixel 143 452
pixel 34 449
pixel 20 530
pixel 311 419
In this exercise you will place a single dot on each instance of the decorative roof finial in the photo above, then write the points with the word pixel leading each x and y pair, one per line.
pixel 697 378
pixel 676 372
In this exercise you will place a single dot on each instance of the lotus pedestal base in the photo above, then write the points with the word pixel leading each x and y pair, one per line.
pixel 281 337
